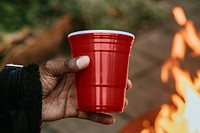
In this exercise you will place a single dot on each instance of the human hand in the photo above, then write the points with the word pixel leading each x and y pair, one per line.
pixel 59 92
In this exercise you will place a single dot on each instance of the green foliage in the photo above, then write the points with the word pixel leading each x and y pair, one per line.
pixel 128 15
pixel 17 13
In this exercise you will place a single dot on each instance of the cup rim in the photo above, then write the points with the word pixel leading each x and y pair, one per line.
pixel 100 31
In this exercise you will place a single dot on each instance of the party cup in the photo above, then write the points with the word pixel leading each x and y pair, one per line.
pixel 101 86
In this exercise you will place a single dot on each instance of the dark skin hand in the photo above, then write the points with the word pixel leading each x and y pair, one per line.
pixel 59 92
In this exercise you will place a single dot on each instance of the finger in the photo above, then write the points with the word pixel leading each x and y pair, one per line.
pixel 59 67
pixel 76 64
pixel 129 84
pixel 97 117
pixel 125 102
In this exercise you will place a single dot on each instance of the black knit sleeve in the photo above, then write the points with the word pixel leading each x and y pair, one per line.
pixel 20 99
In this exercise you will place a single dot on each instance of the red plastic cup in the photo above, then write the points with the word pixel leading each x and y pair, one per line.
pixel 101 86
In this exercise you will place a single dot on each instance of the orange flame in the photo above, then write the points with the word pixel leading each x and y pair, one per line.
pixel 183 116
pixel 178 47
pixel 179 16
pixel 185 119
pixel 192 38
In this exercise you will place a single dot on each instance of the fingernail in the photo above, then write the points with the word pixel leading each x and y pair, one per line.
pixel 82 62
pixel 112 121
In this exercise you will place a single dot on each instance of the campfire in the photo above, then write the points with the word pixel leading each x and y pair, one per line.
pixel 183 115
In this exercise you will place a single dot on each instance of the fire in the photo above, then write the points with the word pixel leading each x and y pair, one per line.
pixel 183 116
pixel 179 16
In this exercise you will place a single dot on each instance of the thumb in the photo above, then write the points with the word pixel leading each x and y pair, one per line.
pixel 59 67
pixel 76 64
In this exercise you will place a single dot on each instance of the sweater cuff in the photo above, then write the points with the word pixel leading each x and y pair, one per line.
pixel 32 101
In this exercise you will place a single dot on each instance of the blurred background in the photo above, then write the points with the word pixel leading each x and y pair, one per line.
pixel 36 31
pixel 39 28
